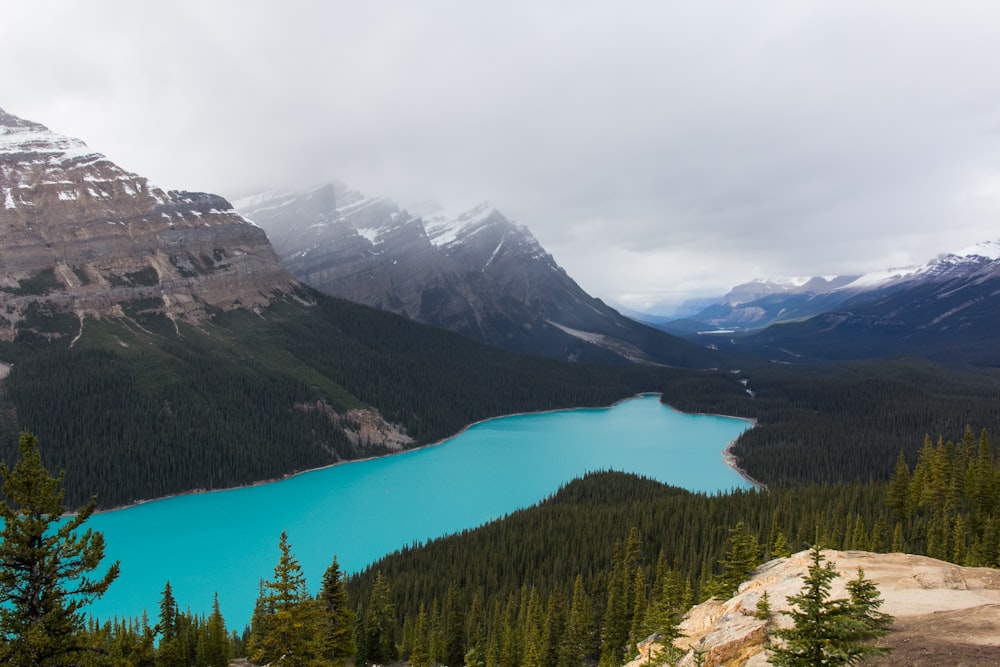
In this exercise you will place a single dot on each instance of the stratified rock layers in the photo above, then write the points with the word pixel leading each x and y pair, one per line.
pixel 81 235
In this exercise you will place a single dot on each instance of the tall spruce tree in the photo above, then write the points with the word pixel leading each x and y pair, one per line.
pixel 284 626
pixel 169 652
pixel 579 626
pixel 337 638
pixel 215 647
pixel 45 565
pixel 453 627
pixel 420 651
pixel 742 556
pixel 380 623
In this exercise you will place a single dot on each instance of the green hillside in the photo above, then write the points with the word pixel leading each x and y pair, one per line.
pixel 140 407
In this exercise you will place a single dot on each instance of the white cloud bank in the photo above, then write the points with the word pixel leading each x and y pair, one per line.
pixel 658 150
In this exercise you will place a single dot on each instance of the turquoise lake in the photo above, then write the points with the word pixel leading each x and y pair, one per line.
pixel 227 541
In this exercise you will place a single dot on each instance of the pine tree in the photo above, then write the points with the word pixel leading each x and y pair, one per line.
pixel 859 536
pixel 168 653
pixel 284 626
pixel 780 547
pixel 830 632
pixel 898 544
pixel 336 643
pixel 380 623
pixel 45 564
pixel 533 632
pixel 510 636
pixel 475 626
pixel 574 643
pixel 865 602
pixel 216 649
pixel 453 628
pixel 742 556
pixel 616 614
pixel 555 628
pixel 983 495
pixel 420 654
pixel 898 495
pixel 639 606
pixel 763 609
pixel 665 606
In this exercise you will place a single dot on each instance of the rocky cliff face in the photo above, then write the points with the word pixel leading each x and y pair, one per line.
pixel 945 614
pixel 81 236
pixel 473 272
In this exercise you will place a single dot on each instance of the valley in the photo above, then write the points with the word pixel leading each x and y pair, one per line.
pixel 158 344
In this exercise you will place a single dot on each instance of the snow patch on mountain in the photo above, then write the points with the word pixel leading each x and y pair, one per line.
pixel 276 198
pixel 369 233
pixel 878 278
pixel 445 228
pixel 988 249
pixel 22 138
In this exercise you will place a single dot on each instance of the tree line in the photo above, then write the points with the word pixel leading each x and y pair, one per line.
pixel 139 409
pixel 608 560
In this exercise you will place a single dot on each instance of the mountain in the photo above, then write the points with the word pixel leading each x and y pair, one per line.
pixel 946 310
pixel 944 613
pixel 83 237
pixel 759 303
pixel 155 345
pixel 474 272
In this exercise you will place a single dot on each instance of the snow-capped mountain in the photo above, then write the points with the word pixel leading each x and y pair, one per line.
pixel 761 303
pixel 473 271
pixel 948 309
pixel 82 236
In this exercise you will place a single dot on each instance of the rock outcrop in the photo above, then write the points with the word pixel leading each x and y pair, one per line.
pixel 81 236
pixel 945 614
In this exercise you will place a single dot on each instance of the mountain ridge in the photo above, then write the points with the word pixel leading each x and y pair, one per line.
pixel 763 302
pixel 944 310
pixel 474 272
pixel 82 236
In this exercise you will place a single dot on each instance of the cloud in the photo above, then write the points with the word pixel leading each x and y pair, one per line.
pixel 654 148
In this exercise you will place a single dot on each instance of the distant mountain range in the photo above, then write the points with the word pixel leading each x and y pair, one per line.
pixel 947 309
pixel 474 272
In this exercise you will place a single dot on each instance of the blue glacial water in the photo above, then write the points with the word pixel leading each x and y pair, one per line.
pixel 227 541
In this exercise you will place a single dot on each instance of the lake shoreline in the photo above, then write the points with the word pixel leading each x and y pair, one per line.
pixel 728 457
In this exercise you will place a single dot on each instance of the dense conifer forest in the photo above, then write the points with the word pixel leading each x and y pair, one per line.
pixel 840 422
pixel 639 553
pixel 139 409
pixel 584 575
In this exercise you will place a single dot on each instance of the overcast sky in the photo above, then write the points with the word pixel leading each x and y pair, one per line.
pixel 657 149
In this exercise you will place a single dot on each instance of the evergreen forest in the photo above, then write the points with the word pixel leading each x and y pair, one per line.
pixel 890 455
pixel 581 577
pixel 139 409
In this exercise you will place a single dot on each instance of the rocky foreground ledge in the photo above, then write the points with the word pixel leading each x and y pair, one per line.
pixel 945 614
